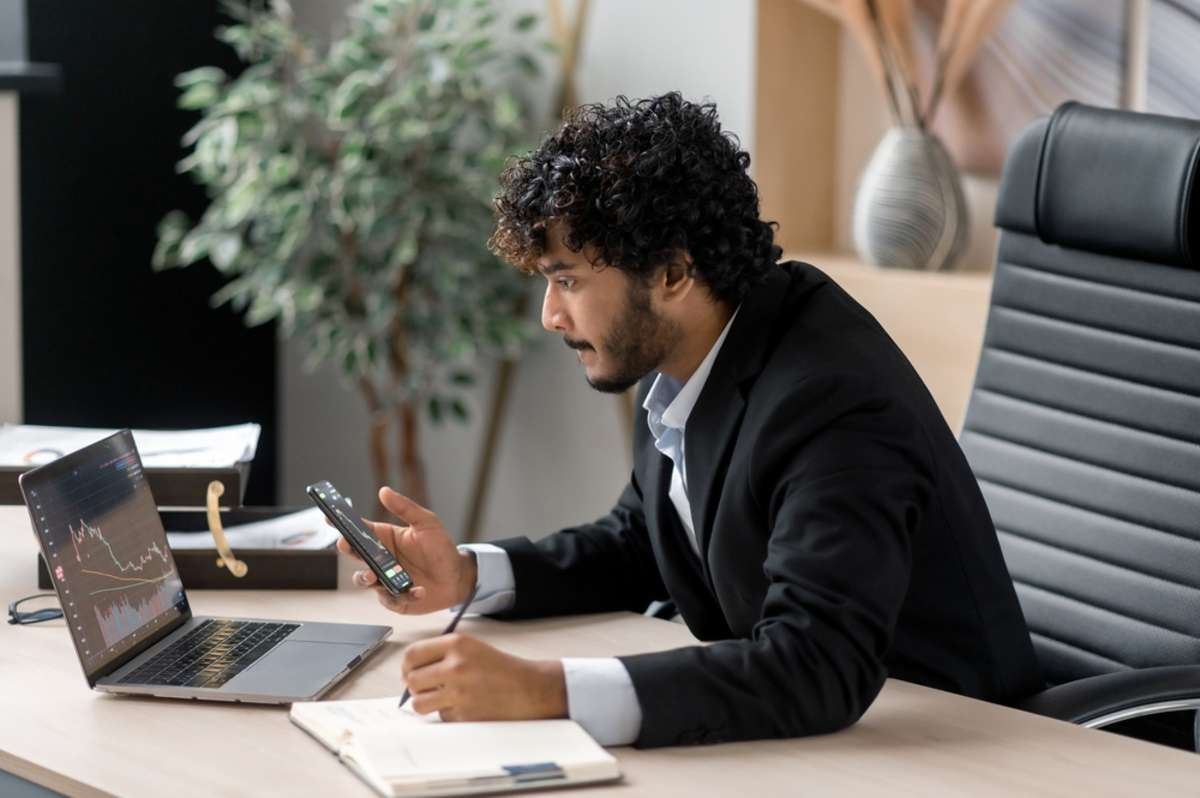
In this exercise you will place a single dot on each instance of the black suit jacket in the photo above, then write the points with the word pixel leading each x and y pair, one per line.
pixel 843 537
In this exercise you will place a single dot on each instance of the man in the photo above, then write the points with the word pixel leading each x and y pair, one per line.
pixel 795 492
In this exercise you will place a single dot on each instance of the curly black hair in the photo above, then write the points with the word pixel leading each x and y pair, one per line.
pixel 640 181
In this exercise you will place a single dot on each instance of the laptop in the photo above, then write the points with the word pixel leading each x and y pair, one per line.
pixel 124 603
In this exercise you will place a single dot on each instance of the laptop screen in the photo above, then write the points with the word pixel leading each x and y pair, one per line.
pixel 105 547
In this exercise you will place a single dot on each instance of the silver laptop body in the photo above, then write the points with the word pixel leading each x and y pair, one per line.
pixel 124 603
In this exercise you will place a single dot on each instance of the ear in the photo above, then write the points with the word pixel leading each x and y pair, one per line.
pixel 677 278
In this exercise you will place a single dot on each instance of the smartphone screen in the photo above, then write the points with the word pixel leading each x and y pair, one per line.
pixel 339 510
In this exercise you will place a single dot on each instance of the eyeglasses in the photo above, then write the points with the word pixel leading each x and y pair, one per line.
pixel 15 616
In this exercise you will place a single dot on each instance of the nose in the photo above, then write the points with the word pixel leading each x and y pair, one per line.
pixel 554 318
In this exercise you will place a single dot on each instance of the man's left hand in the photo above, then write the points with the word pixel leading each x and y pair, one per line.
pixel 464 678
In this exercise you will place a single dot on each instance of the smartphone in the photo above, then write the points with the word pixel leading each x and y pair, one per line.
pixel 338 509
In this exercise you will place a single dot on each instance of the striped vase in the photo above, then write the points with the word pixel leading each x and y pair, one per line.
pixel 909 212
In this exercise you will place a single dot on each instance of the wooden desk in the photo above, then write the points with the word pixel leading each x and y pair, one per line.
pixel 913 740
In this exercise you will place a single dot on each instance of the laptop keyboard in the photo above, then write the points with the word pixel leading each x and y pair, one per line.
pixel 211 654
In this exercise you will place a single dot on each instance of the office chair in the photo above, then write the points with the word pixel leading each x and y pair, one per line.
pixel 1083 425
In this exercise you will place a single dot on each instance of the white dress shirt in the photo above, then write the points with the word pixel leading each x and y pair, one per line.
pixel 600 694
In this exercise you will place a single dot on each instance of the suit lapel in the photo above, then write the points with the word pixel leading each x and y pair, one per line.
pixel 656 467
pixel 667 532
pixel 713 424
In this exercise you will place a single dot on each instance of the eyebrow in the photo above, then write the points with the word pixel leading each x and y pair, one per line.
pixel 554 268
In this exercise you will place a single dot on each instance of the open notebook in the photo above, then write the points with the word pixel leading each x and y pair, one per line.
pixel 400 753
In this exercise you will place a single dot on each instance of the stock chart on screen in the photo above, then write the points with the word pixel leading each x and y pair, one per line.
pixel 106 551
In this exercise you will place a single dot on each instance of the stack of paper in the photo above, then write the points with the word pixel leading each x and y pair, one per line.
pixel 26 445
pixel 305 529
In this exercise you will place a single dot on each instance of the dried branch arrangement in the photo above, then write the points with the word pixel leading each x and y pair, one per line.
pixel 886 32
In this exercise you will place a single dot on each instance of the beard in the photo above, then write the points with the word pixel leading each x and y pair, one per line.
pixel 636 345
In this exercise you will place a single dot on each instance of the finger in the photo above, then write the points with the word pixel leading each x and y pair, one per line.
pixel 436 700
pixel 424 653
pixel 405 603
pixel 345 548
pixel 388 534
pixel 442 674
pixel 365 578
pixel 404 508
pixel 410 597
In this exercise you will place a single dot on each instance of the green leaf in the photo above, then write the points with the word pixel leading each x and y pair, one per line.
pixel 385 111
pixel 463 379
pixel 459 408
pixel 224 251
pixel 261 311
pixel 242 199
pixel 405 251
pixel 193 247
pixel 233 292
pixel 348 93
pixel 196 131
pixel 170 233
pixel 528 64
pixel 240 38
pixel 526 22
pixel 210 75
pixel 201 95
pixel 309 298
pixel 461 346
pixel 281 168
pixel 434 406
pixel 477 45
pixel 507 110
pixel 412 129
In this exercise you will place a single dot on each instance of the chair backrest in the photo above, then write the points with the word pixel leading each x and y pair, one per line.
pixel 1083 426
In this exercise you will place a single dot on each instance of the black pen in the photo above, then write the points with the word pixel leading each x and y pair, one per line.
pixel 453 623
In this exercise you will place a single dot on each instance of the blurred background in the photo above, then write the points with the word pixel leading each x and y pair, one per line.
pixel 91 132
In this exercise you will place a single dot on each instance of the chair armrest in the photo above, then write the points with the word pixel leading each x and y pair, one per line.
pixel 1098 701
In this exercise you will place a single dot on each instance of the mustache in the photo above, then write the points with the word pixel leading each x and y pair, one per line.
pixel 579 345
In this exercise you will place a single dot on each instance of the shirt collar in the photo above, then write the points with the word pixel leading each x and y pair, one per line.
pixel 668 404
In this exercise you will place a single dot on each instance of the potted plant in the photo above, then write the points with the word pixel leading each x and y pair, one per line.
pixel 350 192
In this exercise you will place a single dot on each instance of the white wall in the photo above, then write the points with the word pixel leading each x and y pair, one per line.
pixel 10 264
pixel 703 48
pixel 562 456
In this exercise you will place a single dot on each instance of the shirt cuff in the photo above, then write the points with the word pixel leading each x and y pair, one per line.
pixel 495 585
pixel 601 699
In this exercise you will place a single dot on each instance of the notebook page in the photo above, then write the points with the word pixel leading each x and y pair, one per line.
pixel 335 722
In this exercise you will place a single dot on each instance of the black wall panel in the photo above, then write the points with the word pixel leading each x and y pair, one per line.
pixel 106 340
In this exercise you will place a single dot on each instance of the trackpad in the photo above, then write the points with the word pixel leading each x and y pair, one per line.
pixel 295 668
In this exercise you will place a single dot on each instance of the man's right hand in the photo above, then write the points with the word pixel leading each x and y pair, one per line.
pixel 442 575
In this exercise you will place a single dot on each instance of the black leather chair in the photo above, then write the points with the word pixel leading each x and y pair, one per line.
pixel 1084 421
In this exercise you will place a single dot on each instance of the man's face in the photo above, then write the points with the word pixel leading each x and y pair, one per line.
pixel 603 314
